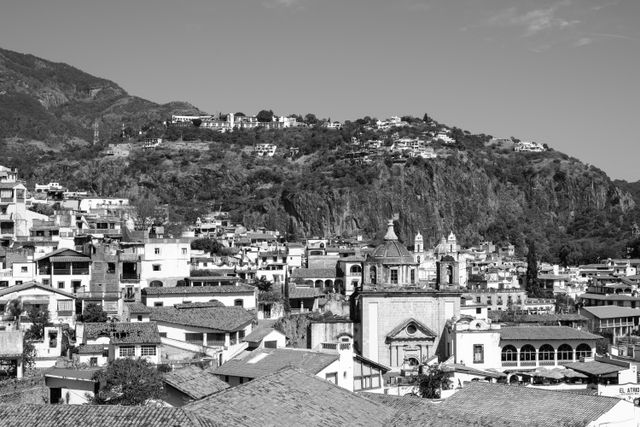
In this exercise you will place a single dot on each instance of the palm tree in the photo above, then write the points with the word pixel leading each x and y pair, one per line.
pixel 14 308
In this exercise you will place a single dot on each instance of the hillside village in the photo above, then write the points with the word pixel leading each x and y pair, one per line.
pixel 421 145
pixel 231 314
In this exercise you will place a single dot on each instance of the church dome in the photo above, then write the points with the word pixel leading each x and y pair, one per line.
pixel 392 251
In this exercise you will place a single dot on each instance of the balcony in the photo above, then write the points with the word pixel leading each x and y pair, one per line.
pixel 129 278
pixel 6 199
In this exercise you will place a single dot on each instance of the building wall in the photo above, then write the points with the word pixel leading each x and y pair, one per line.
pixel 381 312
pixel 328 332
pixel 466 340
pixel 228 299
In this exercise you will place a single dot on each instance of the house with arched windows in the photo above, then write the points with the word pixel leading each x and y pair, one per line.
pixel 484 345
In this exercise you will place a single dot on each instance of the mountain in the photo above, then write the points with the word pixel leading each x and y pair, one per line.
pixel 55 102
pixel 478 188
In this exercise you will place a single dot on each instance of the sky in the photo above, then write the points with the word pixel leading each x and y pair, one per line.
pixel 561 72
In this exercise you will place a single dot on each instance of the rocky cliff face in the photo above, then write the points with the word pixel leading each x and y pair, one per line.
pixel 544 201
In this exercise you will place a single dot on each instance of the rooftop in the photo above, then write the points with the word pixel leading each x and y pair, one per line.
pixel 313 273
pixel 199 290
pixel 291 396
pixel 595 368
pixel 512 405
pixel 533 333
pixel 195 382
pixel 611 311
pixel 103 415
pixel 222 319
pixel 123 332
pixel 261 362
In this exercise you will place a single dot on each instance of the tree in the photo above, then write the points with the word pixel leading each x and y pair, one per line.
pixel 208 245
pixel 240 114
pixel 265 116
pixel 310 119
pixel 94 313
pixel 531 278
pixel 39 318
pixel 196 122
pixel 14 309
pixel 128 382
pixel 263 284
pixel 431 382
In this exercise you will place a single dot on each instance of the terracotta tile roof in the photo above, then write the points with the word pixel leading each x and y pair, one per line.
pixel 609 297
pixel 611 311
pixel 199 290
pixel 532 333
pixel 513 404
pixel 397 403
pixel 223 319
pixel 99 415
pixel 33 284
pixel 291 397
pixel 195 382
pixel 314 273
pixel 261 362
pixel 595 367
pixel 79 374
pixel 123 332
pixel 297 293
pixel 92 348
pixel 137 308
pixel 257 334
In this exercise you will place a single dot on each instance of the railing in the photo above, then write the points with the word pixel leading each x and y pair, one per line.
pixel 329 346
pixel 547 363
pixel 527 363
pixel 506 363
pixel 6 199
pixel 128 277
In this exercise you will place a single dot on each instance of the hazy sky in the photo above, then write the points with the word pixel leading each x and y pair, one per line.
pixel 561 72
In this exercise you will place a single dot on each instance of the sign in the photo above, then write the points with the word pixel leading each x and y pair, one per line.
pixel 628 391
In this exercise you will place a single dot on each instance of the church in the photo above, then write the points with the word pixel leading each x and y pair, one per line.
pixel 399 321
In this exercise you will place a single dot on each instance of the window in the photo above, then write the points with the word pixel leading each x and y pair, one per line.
pixel 127 351
pixel 24 269
pixel 156 251
pixel 332 377
pixel 60 285
pixel 163 334
pixel 238 303
pixel 65 305
pixel 46 282
pixel 411 329
pixel 240 335
pixel 478 353
pixel 478 310
pixel 413 276
pixel 194 338
pixel 158 304
pixel 394 276
pixel 184 251
pixel 148 350
pixel 111 267
pixel 18 282
pixel 271 344
pixel 4 284
pixel 139 317
pixel 489 300
pixel 156 267
pixel 509 354
pixel 478 300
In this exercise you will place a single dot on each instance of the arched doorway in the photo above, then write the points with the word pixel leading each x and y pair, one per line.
pixel 527 355
pixel 547 355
